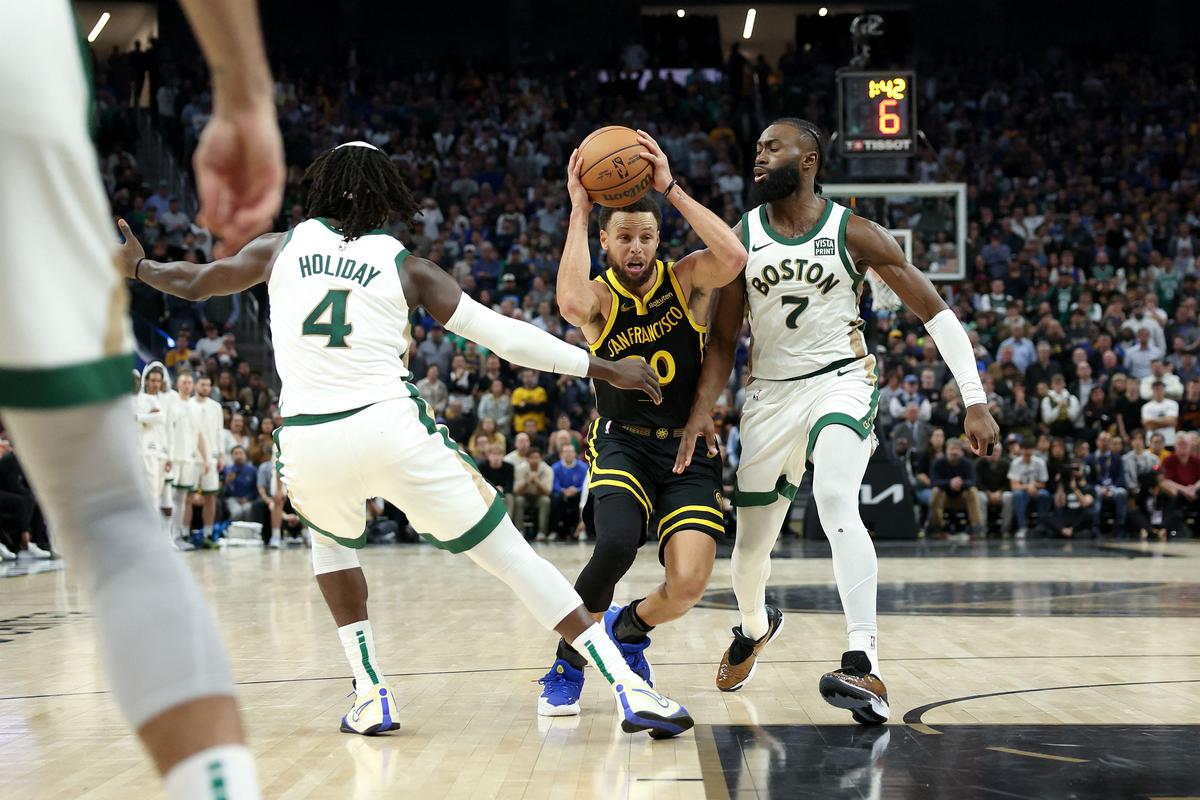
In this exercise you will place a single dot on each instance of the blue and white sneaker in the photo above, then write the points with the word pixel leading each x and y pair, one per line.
pixel 634 652
pixel 646 710
pixel 561 687
pixel 371 712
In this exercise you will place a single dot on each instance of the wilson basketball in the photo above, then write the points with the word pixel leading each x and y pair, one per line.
pixel 613 172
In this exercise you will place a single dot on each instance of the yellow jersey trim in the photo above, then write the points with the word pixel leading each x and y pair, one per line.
pixel 613 308
pixel 696 326
pixel 639 303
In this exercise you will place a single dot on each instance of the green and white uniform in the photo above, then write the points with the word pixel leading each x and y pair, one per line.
pixel 185 458
pixel 354 425
pixel 210 422
pixel 64 332
pixel 809 363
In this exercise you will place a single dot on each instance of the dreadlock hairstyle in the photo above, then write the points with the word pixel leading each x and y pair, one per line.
pixel 360 187
pixel 804 126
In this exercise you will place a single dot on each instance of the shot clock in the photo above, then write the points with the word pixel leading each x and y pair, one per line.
pixel 877 113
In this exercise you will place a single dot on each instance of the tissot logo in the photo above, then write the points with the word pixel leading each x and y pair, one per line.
pixel 824 247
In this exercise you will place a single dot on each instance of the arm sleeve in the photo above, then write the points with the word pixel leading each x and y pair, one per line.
pixel 955 347
pixel 515 341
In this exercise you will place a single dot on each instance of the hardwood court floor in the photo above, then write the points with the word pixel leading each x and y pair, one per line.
pixel 1072 672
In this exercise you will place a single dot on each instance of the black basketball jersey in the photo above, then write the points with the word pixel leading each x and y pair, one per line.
pixel 660 329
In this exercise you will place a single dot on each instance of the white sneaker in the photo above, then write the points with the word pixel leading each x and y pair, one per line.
pixel 274 543
pixel 306 534
pixel 36 552
pixel 6 554
pixel 644 709
pixel 372 712
pixel 1020 534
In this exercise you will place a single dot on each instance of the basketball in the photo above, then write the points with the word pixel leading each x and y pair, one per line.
pixel 614 173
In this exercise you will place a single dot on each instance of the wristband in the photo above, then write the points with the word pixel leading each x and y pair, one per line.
pixel 670 186
pixel 137 267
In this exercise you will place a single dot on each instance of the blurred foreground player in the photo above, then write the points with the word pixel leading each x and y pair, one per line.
pixel 812 397
pixel 355 427
pixel 65 361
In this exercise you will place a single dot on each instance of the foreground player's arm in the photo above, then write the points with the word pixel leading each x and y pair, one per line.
pixel 249 266
pixel 714 374
pixel 724 255
pixel 872 247
pixel 577 294
pixel 239 158
pixel 425 284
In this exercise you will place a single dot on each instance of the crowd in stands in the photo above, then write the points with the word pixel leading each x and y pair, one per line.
pixel 1081 296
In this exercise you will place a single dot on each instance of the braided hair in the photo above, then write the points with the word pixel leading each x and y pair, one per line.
pixel 360 187
pixel 814 133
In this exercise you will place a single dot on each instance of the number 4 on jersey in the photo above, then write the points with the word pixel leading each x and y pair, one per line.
pixel 337 329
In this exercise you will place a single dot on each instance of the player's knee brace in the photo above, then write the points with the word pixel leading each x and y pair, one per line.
pixel 329 556
pixel 618 521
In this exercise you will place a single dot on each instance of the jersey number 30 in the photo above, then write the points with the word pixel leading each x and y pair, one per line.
pixel 337 329
pixel 800 304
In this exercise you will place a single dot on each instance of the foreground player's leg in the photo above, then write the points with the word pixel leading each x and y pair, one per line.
pixel 552 601
pixel 618 522
pixel 168 670
pixel 839 461
pixel 757 529
pixel 345 590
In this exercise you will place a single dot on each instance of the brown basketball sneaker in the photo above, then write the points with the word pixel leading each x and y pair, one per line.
pixel 741 657
pixel 855 687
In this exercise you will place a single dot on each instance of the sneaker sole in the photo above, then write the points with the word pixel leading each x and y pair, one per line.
pixel 659 727
pixel 865 707
pixel 547 710
pixel 754 667
pixel 374 730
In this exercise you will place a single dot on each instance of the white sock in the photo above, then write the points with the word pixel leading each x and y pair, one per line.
pixel 181 513
pixel 597 648
pixel 208 531
pixel 359 644
pixel 865 640
pixel 274 533
pixel 225 772
pixel 757 529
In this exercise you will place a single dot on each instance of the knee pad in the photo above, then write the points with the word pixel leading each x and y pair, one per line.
pixel 619 523
pixel 329 556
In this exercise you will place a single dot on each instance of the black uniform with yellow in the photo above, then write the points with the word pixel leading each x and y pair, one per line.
pixel 631 448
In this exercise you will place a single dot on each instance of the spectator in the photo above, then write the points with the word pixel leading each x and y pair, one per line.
pixel 520 452
pixel 1023 350
pixel 1060 408
pixel 955 487
pixel 1028 477
pixel 436 350
pixel 175 224
pixel 1161 415
pixel 497 405
pixel 461 384
pixel 991 472
pixel 1107 473
pixel 236 435
pixel 530 402
pixel 501 474
pixel 263 449
pixel 486 431
pixel 1189 407
pixel 1140 357
pixel 180 354
pixel 458 424
pixel 949 413
pixel 1074 501
pixel 18 504
pixel 570 474
pixel 1181 484
pixel 534 483
pixel 1128 406
pixel 1172 385
pixel 910 392
pixel 257 397
pixel 210 344
pixel 433 391
pixel 241 485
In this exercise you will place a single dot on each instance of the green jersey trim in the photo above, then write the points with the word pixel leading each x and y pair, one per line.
pixel 317 419
pixel 746 230
pixel 816 228
pixel 742 498
pixel 62 387
pixel 327 224
pixel 861 426
pixel 855 276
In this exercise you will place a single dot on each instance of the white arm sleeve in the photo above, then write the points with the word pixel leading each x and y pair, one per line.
pixel 515 341
pixel 955 347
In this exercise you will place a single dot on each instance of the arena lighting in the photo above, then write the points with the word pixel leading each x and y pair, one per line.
pixel 748 31
pixel 100 23
pixel 680 13
pixel 822 11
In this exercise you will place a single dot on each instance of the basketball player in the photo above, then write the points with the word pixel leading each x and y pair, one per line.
pixel 812 397
pixel 155 415
pixel 210 421
pixel 65 347
pixel 642 308
pixel 355 427
pixel 189 453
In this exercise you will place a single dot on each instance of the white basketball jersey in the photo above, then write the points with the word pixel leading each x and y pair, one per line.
pixel 339 320
pixel 183 429
pixel 154 413
pixel 803 295
pixel 209 421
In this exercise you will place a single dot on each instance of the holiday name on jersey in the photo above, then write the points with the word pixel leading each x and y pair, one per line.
pixel 810 272
pixel 642 334
pixel 347 268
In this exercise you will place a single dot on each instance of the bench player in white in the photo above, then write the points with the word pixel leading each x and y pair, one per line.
pixel 156 412
pixel 65 361
pixel 812 397
pixel 189 453
pixel 210 421
pixel 355 427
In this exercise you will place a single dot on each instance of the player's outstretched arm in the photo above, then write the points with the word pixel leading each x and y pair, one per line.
pixel 239 158
pixel 249 266
pixel 714 374
pixel 872 247
pixel 724 255
pixel 426 284
pixel 576 294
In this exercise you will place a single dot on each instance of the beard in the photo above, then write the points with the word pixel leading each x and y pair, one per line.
pixel 780 182
pixel 627 279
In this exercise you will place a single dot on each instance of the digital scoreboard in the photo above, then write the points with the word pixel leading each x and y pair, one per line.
pixel 877 113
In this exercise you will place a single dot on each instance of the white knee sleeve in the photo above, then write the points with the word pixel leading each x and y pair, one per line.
pixel 757 529
pixel 157 638
pixel 329 556
pixel 536 582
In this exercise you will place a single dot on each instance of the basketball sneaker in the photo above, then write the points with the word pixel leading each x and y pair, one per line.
pixel 371 712
pixel 856 688
pixel 561 687
pixel 741 658
pixel 646 710
pixel 634 652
